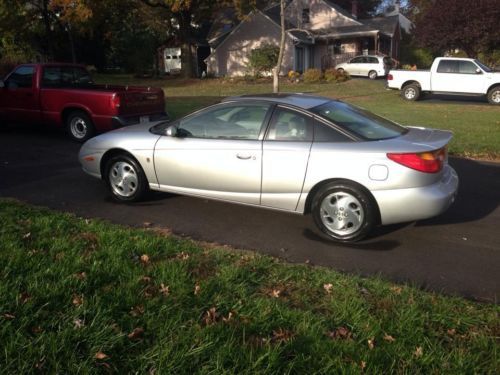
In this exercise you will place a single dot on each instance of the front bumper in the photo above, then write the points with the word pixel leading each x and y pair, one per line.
pixel 403 205
pixel 90 161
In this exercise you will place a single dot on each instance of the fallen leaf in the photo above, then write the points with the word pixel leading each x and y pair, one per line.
pixel 146 279
pixel 371 343
pixel 136 333
pixel 9 316
pixel 307 261
pixel 282 335
pixel 147 224
pixel 80 275
pixel 451 331
pixel 419 351
pixel 328 288
pixel 183 256
pixel 389 338
pixel 137 310
pixel 144 259
pixel 77 300
pixel 27 235
pixel 229 317
pixel 196 289
pixel 78 323
pixel 24 297
pixel 36 330
pixel 275 293
pixel 101 356
pixel 165 290
pixel 340 333
pixel 211 316
pixel 362 365
pixel 397 290
pixel 87 221
pixel 364 291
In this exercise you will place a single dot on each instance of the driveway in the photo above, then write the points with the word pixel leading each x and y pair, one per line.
pixel 456 253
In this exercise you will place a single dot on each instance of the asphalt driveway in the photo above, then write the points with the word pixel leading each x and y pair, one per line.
pixel 456 253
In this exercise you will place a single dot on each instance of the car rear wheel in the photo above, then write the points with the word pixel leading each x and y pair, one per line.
pixel 343 211
pixel 125 178
pixel 411 92
pixel 79 126
pixel 372 74
pixel 494 95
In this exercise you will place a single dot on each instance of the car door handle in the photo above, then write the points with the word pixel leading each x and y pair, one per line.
pixel 243 156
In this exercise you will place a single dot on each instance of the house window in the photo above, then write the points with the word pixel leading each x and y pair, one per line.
pixel 305 16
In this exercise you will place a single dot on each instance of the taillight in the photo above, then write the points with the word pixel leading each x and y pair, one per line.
pixel 115 102
pixel 390 77
pixel 428 162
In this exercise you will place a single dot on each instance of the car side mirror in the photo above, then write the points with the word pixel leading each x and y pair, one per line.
pixel 2 84
pixel 171 131
pixel 479 71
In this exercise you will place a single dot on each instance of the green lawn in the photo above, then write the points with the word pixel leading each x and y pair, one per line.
pixel 476 125
pixel 86 296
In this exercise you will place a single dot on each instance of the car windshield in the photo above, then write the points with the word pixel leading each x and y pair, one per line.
pixel 484 67
pixel 364 124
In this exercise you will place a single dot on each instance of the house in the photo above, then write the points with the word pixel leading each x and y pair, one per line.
pixel 319 34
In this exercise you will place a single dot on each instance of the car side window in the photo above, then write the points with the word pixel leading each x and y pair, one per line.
pixel 65 76
pixel 357 60
pixel 325 133
pixel 448 66
pixel 288 125
pixel 22 77
pixel 467 67
pixel 228 122
pixel 372 60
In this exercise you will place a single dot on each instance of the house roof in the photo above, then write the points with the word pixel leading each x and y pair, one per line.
pixel 302 36
pixel 386 25
pixel 340 10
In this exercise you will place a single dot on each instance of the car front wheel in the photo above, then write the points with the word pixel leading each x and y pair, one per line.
pixel 126 179
pixel 494 95
pixel 344 212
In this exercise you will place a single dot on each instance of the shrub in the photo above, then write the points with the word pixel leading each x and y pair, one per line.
pixel 263 59
pixel 333 75
pixel 312 76
pixel 293 76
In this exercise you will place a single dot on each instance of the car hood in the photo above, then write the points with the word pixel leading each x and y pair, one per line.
pixel 136 137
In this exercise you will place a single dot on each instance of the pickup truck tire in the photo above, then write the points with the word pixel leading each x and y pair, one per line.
pixel 411 92
pixel 344 211
pixel 372 74
pixel 79 126
pixel 125 178
pixel 494 95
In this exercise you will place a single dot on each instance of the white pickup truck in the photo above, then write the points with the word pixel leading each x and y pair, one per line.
pixel 450 76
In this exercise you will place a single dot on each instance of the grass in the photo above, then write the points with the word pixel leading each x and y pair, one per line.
pixel 476 126
pixel 86 296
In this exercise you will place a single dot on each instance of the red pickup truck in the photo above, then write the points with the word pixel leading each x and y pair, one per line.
pixel 65 95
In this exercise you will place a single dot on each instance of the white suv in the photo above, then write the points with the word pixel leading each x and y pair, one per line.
pixel 368 66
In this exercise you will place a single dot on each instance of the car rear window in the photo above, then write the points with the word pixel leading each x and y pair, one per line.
pixel 359 122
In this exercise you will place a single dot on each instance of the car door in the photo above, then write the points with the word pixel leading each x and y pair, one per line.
pixel 216 153
pixel 459 76
pixel 18 98
pixel 354 65
pixel 285 156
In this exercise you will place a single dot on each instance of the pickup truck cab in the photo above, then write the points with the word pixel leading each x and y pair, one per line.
pixel 450 76
pixel 65 95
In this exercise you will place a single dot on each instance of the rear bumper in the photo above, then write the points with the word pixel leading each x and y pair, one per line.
pixel 402 205
pixel 121 121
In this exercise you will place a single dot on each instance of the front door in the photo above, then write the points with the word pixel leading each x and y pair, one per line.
pixel 285 157
pixel 458 76
pixel 18 98
pixel 299 59
pixel 217 154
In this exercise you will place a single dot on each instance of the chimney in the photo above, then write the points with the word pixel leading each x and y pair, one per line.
pixel 354 10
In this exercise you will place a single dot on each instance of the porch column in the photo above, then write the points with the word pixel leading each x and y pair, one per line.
pixel 376 43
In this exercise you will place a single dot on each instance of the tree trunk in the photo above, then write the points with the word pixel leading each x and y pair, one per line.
pixel 48 32
pixel 71 43
pixel 184 19
pixel 277 68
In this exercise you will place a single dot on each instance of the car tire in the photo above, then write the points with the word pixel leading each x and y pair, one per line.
pixel 344 211
pixel 494 95
pixel 79 126
pixel 340 70
pixel 125 179
pixel 411 92
pixel 372 74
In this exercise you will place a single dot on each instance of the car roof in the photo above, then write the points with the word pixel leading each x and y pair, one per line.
pixel 298 100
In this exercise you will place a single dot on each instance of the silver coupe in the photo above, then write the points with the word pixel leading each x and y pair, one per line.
pixel 351 169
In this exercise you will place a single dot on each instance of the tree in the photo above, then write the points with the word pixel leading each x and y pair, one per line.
pixel 277 68
pixel 444 25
